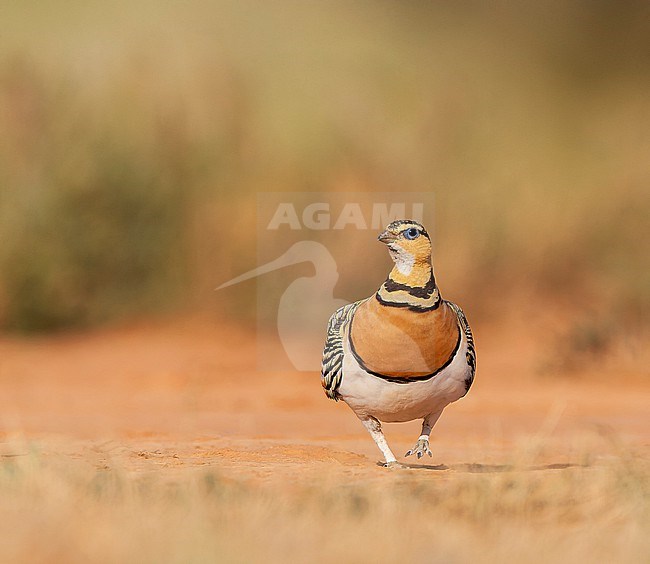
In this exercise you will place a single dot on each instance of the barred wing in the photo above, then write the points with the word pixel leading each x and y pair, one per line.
pixel 332 366
pixel 471 351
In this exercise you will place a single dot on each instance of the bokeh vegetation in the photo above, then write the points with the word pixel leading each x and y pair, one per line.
pixel 132 134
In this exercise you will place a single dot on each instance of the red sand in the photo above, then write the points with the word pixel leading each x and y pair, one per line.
pixel 185 393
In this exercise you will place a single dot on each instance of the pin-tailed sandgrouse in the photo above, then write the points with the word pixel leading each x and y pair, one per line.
pixel 404 353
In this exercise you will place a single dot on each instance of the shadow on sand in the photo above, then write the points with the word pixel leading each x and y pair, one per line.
pixel 476 468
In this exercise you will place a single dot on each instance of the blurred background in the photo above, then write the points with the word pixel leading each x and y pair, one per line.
pixel 134 137
pixel 137 139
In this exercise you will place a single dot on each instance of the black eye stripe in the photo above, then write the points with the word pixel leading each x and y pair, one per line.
pixel 401 225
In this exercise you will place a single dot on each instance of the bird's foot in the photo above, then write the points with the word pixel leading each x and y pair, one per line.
pixel 393 465
pixel 420 449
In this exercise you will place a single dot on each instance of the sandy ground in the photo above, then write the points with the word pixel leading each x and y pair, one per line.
pixel 163 442
pixel 185 393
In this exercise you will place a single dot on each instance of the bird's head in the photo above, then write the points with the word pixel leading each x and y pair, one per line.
pixel 408 243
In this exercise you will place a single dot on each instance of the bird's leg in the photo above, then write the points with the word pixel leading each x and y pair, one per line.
pixel 374 428
pixel 422 446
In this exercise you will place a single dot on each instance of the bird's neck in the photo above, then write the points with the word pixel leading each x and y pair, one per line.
pixel 413 287
pixel 415 274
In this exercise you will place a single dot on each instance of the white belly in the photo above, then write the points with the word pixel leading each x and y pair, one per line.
pixel 396 402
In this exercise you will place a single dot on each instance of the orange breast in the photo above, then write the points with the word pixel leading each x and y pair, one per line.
pixel 398 342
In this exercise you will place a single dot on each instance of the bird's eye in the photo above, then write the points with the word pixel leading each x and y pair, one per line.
pixel 411 233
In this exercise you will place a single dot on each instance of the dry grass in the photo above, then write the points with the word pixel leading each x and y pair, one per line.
pixel 57 508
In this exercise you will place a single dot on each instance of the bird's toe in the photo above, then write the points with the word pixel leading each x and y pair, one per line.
pixel 420 449
pixel 393 465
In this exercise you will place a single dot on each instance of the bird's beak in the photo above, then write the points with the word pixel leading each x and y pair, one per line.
pixel 387 237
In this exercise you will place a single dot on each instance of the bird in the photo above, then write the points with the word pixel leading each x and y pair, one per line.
pixel 404 353
pixel 306 303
